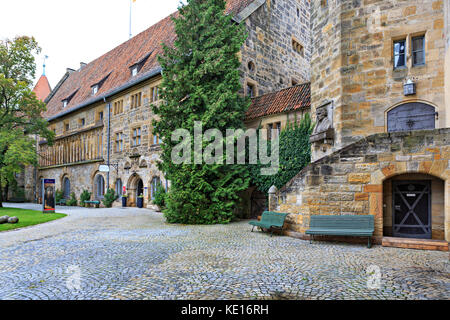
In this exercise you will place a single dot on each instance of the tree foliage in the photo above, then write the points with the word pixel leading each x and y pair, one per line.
pixel 20 110
pixel 201 83
pixel 295 154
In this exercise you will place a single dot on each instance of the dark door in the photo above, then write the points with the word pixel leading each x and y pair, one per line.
pixel 66 188
pixel 258 204
pixel 411 116
pixel 140 188
pixel 412 209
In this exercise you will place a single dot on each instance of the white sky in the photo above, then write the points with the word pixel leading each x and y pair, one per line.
pixel 74 31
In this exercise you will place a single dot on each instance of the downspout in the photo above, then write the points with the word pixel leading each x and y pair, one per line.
pixel 108 105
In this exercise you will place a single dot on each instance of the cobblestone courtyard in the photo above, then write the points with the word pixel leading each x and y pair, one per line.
pixel 132 254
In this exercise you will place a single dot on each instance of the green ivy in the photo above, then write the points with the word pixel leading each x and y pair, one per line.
pixel 295 154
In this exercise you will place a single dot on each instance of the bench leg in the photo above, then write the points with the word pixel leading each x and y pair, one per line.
pixel 253 228
pixel 311 239
pixel 369 243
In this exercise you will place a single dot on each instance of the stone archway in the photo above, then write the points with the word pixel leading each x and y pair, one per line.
pixel 135 187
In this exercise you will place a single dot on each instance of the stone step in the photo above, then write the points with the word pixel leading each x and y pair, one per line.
pixel 421 244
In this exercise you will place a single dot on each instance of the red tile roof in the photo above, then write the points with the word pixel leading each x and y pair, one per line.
pixel 118 62
pixel 294 98
pixel 42 88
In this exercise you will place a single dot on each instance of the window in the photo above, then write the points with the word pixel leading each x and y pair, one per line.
pixel 119 142
pixel 100 116
pixel 119 187
pixel 251 66
pixel 137 137
pixel 118 107
pixel 399 53
pixel 136 100
pixel 273 126
pixel 297 47
pixel 99 187
pixel 134 71
pixel 418 50
pixel 82 122
pixel 298 12
pixel 66 127
pixel 251 90
pixel 65 102
pixel 154 94
pixel 156 182
pixel 156 140
pixel 94 89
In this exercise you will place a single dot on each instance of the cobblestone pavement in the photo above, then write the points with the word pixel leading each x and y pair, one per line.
pixel 132 254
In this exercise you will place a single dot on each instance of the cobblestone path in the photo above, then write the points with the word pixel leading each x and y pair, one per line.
pixel 132 254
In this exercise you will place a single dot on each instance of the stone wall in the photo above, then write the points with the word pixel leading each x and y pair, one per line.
pixel 352 63
pixel 350 181
pixel 271 29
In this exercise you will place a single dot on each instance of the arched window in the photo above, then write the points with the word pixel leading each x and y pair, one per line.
pixel 411 116
pixel 119 187
pixel 156 182
pixel 66 188
pixel 99 187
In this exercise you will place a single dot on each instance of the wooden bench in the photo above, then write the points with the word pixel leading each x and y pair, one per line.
pixel 354 226
pixel 96 203
pixel 270 221
pixel 61 202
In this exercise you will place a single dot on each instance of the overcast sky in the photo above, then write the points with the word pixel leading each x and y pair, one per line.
pixel 74 31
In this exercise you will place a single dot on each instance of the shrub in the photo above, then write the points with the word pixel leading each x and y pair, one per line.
pixel 160 197
pixel 59 195
pixel 110 197
pixel 85 196
pixel 72 202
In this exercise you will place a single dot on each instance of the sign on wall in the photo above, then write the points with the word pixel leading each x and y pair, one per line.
pixel 48 195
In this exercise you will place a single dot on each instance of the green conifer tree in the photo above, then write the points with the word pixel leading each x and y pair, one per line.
pixel 201 83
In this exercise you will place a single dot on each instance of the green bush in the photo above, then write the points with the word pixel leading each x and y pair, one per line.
pixel 110 197
pixel 72 202
pixel 160 197
pixel 59 195
pixel 85 196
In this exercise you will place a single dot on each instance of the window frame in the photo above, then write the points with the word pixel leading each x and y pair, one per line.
pixel 136 136
pixel 394 42
pixel 413 51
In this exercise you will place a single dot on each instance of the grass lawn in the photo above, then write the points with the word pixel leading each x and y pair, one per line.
pixel 26 218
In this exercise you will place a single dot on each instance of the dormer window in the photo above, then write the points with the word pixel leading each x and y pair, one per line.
pixel 65 103
pixel 134 71
pixel 94 89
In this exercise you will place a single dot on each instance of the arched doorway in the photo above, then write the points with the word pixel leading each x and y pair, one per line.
pixel 99 187
pixel 414 206
pixel 66 188
pixel 411 116
pixel 258 204
pixel 135 188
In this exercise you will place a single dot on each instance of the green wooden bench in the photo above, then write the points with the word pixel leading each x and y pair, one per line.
pixel 61 202
pixel 96 203
pixel 270 221
pixel 354 226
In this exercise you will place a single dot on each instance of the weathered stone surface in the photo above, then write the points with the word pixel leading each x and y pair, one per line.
pixel 13 220
pixel 4 219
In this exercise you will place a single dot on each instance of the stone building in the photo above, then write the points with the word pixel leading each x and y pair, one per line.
pixel 380 96
pixel 101 113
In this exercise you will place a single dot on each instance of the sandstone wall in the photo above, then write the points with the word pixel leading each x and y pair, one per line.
pixel 352 63
pixel 350 181
pixel 271 29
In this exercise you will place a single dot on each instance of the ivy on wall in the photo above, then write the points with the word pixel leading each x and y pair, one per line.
pixel 295 154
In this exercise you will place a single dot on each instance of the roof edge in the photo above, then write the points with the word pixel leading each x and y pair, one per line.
pixel 129 84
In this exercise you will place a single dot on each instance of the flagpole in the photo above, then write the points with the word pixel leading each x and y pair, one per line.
pixel 131 4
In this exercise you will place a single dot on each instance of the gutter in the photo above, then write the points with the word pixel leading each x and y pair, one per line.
pixel 127 85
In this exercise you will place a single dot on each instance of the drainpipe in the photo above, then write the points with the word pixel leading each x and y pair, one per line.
pixel 108 105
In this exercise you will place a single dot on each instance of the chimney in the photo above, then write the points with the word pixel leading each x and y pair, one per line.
pixel 82 65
